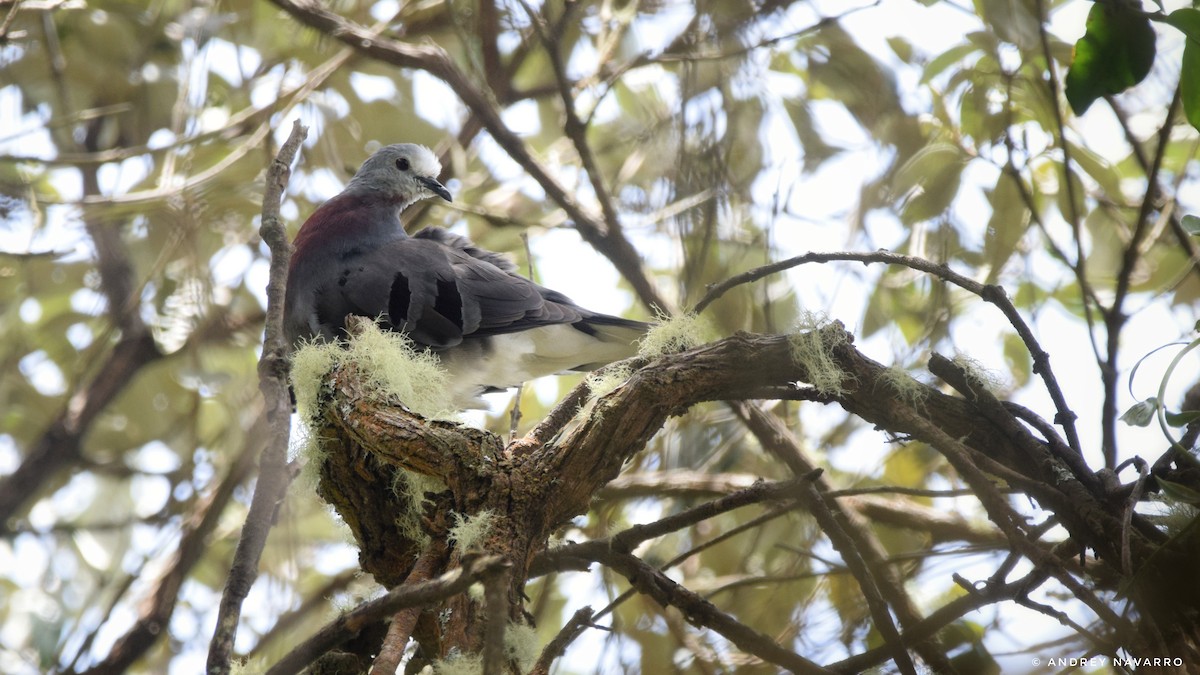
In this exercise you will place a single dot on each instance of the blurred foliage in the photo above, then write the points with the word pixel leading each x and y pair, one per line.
pixel 729 133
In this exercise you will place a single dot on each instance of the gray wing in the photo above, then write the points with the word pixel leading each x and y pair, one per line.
pixel 451 240
pixel 440 293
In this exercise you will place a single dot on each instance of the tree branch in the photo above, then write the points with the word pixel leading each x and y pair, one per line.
pixel 273 476
pixel 703 613
pixel 403 621
pixel 991 293
pixel 350 624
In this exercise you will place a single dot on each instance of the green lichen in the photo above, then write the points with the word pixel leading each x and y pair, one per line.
pixel 393 368
pixel 521 645
pixel 604 381
pixel 470 531
pixel 411 487
pixel 812 349
pixel 977 375
pixel 392 364
pixel 673 334
pixel 310 364
pixel 909 391
pixel 459 664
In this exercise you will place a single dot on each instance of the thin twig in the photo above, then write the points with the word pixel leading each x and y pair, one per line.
pixel 1116 317
pixel 514 415
pixel 573 126
pixel 1131 503
pixel 991 293
pixel 9 17
pixel 928 627
pixel 558 645
pixel 1063 619
pixel 353 622
pixel 1007 519
pixel 1185 240
pixel 703 613
pixel 403 621
pixel 273 369
pixel 861 552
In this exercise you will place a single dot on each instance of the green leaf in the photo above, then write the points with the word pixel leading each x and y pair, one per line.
pixel 954 55
pixel 1016 355
pixel 928 181
pixel 1141 414
pixel 1178 492
pixel 1007 225
pixel 1182 418
pixel 1191 224
pixel 1188 21
pixel 1113 55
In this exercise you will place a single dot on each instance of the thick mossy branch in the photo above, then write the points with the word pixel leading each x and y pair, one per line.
pixel 396 435
pixel 562 477
pixel 532 492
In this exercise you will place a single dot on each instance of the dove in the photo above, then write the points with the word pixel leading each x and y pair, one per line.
pixel 492 328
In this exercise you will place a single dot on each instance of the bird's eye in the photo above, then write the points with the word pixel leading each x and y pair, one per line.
pixel 402 164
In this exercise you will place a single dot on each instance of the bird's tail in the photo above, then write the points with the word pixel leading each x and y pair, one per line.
pixel 615 339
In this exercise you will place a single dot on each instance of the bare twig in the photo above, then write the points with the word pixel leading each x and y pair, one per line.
pixel 403 621
pixel 1135 495
pixel 944 616
pixel 1185 240
pixel 350 624
pixel 991 293
pixel 273 371
pixel 701 612
pixel 514 415
pixel 1116 317
pixel 1007 519
pixel 573 126
pixel 862 553
pixel 1063 618
pixel 579 556
pixel 558 645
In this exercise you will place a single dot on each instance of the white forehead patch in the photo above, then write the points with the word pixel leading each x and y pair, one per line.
pixel 421 158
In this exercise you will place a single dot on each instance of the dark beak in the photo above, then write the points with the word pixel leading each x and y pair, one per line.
pixel 435 187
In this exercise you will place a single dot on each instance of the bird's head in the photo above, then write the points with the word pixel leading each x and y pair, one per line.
pixel 403 173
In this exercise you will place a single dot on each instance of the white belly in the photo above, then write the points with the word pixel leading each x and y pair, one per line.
pixel 504 361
